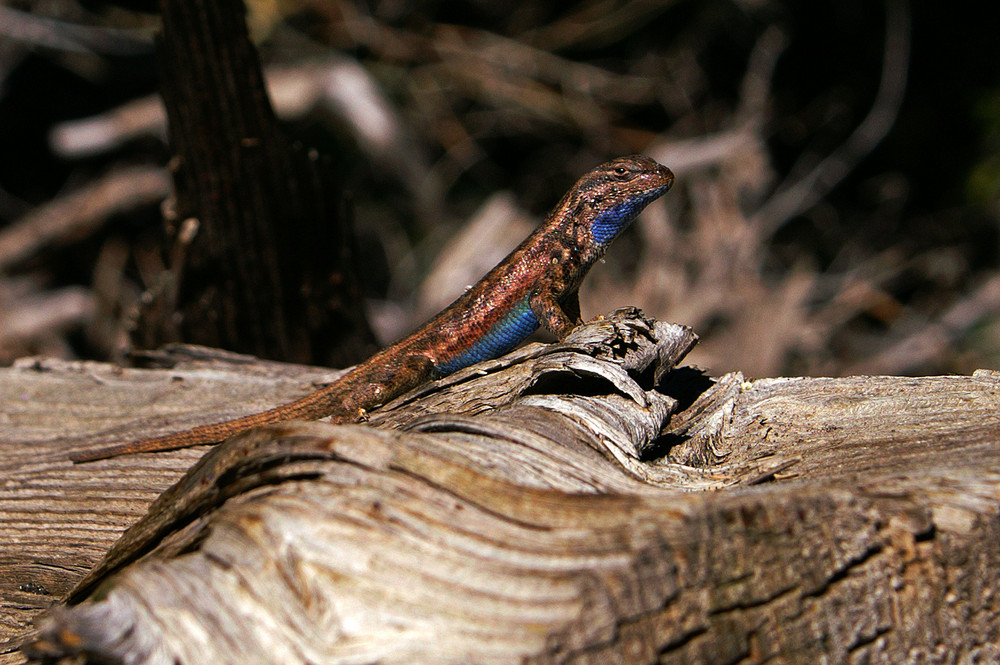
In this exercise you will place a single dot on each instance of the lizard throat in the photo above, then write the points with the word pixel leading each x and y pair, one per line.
pixel 609 224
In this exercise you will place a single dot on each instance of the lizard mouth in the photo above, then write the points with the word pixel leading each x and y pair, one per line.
pixel 668 179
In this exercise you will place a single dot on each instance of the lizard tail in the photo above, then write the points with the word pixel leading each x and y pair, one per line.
pixel 312 406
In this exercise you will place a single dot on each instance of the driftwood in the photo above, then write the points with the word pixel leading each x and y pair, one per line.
pixel 542 508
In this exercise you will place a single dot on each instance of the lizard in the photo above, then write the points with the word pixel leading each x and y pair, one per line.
pixel 535 285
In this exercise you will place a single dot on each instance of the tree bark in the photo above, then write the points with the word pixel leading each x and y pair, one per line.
pixel 542 508
pixel 261 262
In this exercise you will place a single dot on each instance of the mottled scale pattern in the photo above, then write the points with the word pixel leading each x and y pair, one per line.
pixel 502 337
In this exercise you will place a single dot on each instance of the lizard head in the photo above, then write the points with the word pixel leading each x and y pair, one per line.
pixel 610 196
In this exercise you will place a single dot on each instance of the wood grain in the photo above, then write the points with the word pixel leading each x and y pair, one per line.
pixel 566 519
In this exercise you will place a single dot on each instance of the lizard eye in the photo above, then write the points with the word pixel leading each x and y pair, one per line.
pixel 621 173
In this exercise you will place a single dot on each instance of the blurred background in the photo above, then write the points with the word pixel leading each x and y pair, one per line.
pixel 836 207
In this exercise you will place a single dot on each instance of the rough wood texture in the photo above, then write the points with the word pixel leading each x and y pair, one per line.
pixel 530 511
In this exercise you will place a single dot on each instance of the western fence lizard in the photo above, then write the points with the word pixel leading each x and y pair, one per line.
pixel 536 284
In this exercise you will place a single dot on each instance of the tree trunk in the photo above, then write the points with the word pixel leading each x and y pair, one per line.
pixel 262 256
pixel 542 508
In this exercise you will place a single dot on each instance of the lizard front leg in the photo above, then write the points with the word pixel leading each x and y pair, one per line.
pixel 557 317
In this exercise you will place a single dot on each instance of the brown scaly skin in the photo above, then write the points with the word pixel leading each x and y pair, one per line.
pixel 536 284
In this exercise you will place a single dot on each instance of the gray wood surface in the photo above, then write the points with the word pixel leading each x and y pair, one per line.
pixel 543 508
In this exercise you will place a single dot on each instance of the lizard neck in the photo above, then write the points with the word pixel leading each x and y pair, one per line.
pixel 579 231
pixel 608 225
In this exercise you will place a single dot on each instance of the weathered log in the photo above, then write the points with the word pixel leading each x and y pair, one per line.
pixel 542 508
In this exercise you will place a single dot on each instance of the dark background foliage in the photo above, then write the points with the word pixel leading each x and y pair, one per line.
pixel 886 263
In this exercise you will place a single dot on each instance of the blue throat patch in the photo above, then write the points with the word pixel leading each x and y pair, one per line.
pixel 607 227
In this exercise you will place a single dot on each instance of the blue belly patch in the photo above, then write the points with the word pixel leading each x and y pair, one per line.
pixel 506 334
